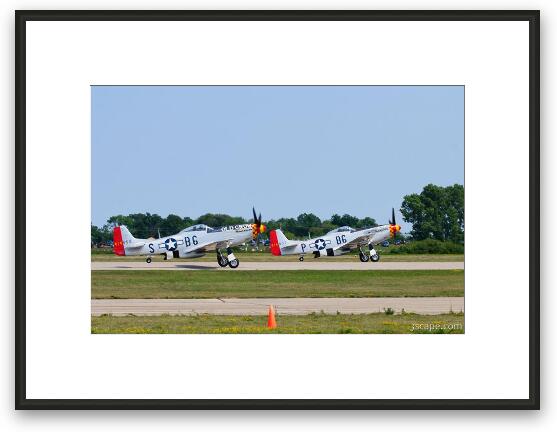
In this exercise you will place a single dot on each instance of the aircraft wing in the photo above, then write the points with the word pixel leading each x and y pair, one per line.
pixel 211 246
pixel 354 243
pixel 135 245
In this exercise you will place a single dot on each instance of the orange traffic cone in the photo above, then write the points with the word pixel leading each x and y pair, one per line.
pixel 271 322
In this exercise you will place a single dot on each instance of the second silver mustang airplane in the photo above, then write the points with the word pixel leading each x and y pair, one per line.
pixel 192 242
pixel 339 241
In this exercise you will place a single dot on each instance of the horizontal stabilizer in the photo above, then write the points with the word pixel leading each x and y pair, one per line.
pixel 135 245
pixel 278 242
pixel 211 246
pixel 123 240
pixel 290 246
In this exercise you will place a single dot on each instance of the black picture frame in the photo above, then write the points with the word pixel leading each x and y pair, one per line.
pixel 533 18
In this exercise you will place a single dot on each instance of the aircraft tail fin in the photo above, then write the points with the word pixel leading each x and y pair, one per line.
pixel 277 241
pixel 120 235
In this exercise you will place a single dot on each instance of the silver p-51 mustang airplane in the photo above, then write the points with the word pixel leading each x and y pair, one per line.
pixel 339 241
pixel 192 242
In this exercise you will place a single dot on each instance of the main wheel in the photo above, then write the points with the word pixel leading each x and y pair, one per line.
pixel 234 263
pixel 301 258
pixel 148 260
pixel 364 257
pixel 223 262
pixel 374 258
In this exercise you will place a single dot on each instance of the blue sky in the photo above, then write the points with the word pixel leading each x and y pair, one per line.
pixel 191 150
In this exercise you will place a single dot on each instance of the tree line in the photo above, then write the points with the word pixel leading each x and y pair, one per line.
pixel 436 213
pixel 147 225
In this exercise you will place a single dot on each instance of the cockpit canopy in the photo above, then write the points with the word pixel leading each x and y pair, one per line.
pixel 198 228
pixel 342 229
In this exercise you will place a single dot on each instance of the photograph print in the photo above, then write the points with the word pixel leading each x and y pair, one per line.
pixel 277 209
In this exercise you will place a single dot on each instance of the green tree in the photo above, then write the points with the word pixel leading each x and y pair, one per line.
pixel 347 220
pixel 172 224
pixel 326 226
pixel 437 212
pixel 335 220
pixel 309 220
pixel 455 213
pixel 141 225
pixel 96 235
pixel 146 225
pixel 100 235
pixel 367 222
pixel 218 220
pixel 307 223
pixel 121 220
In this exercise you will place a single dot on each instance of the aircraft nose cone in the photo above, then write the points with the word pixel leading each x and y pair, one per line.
pixel 263 228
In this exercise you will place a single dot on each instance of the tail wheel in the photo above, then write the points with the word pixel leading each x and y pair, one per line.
pixel 301 258
pixel 234 263
pixel 364 257
pixel 148 260
pixel 374 258
pixel 223 262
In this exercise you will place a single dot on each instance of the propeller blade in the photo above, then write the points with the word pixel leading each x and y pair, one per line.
pixel 394 220
pixel 258 225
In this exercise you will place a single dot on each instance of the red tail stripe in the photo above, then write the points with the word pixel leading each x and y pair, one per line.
pixel 118 246
pixel 274 245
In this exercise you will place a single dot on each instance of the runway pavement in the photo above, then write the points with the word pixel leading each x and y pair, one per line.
pixel 286 265
pixel 285 306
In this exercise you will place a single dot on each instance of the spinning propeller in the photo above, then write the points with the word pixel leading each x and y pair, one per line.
pixel 257 227
pixel 393 227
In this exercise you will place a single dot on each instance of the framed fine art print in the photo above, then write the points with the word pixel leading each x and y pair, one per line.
pixel 323 201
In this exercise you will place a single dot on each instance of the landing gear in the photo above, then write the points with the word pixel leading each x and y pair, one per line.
pixel 301 258
pixel 148 260
pixel 233 262
pixel 230 260
pixel 363 256
pixel 221 259
pixel 373 255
